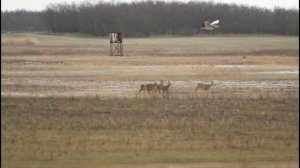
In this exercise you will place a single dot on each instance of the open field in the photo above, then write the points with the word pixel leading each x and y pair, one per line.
pixel 67 103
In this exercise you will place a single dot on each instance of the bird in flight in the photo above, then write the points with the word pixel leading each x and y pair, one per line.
pixel 210 26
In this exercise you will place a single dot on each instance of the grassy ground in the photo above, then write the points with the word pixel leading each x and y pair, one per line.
pixel 31 44
pixel 148 130
pixel 236 126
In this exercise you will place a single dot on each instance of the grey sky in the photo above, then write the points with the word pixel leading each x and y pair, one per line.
pixel 38 5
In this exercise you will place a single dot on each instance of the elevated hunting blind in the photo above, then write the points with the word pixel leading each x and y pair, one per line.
pixel 116 45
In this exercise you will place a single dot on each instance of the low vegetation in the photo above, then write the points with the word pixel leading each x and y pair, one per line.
pixel 148 130
pixel 46 123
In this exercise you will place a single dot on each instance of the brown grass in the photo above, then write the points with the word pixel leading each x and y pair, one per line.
pixel 66 103
pixel 19 41
pixel 149 129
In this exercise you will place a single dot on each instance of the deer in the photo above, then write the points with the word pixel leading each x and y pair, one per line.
pixel 165 88
pixel 151 87
pixel 160 86
pixel 201 86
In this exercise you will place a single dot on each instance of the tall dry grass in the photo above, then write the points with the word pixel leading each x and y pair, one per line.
pixel 98 130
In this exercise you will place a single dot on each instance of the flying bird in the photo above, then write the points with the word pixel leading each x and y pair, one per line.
pixel 210 26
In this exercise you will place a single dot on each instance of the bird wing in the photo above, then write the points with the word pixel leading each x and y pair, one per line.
pixel 215 22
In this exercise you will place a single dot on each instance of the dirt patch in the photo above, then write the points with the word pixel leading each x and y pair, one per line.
pixel 292 72
pixel 130 88
pixel 184 52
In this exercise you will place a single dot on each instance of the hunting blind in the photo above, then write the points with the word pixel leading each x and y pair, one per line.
pixel 116 45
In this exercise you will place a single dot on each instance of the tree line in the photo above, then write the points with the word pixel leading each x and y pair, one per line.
pixel 145 18
pixel 22 20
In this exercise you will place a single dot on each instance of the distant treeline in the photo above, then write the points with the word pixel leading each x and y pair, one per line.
pixel 144 18
pixel 22 20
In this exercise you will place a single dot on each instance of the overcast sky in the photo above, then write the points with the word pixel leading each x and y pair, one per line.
pixel 38 5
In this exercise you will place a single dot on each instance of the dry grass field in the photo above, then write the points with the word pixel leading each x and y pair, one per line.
pixel 67 103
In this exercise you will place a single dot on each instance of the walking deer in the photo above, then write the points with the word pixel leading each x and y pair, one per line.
pixel 165 88
pixel 201 86
pixel 151 87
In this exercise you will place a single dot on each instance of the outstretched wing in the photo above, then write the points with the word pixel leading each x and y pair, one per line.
pixel 214 23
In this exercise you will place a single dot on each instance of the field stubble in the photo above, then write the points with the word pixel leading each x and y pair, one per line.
pixel 76 106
